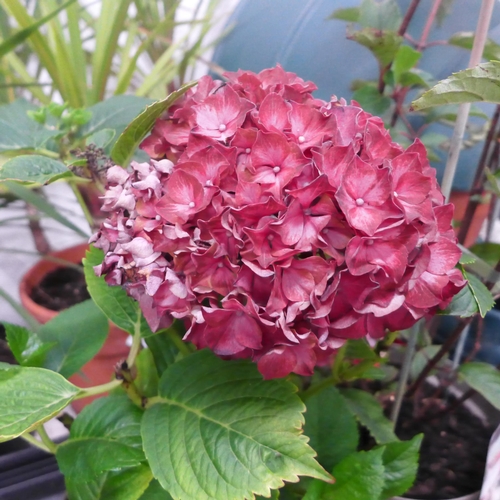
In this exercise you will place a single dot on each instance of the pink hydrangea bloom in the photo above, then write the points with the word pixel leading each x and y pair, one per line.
pixel 277 225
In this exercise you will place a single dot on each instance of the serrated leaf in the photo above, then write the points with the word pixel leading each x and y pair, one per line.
pixel 383 44
pixel 29 397
pixel 127 484
pixel 113 301
pixel 359 476
pixel 481 83
pixel 34 169
pixel 482 295
pixel 371 100
pixel 220 431
pixel 104 437
pixel 155 492
pixel 78 333
pixel 489 252
pixel 365 407
pixel 359 349
pixel 349 14
pixel 27 347
pixel 465 40
pixel 331 427
pixel 463 304
pixel 404 60
pixel 380 14
pixel 135 132
pixel 18 131
pixel 400 466
pixel 484 378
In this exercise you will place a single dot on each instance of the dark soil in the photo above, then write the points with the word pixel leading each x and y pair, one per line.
pixel 61 288
pixel 453 452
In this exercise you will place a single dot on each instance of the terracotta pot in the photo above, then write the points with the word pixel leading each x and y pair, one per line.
pixel 100 369
pixel 460 200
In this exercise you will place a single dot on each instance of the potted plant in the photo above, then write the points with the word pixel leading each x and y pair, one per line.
pixel 255 231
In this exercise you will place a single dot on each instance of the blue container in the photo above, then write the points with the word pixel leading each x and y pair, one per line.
pixel 297 34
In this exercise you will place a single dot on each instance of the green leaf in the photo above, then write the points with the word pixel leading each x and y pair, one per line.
pixel 331 427
pixel 383 44
pixel 163 349
pixel 220 431
pixel 27 347
pixel 380 14
pixel 35 169
pixel 29 397
pixel 482 295
pixel 104 437
pixel 127 484
pixel 79 333
pixel 359 349
pixel 113 301
pixel 367 410
pixel 465 39
pixel 155 492
pixel 18 131
pixel 467 258
pixel 481 83
pixel 489 252
pixel 102 138
pixel 11 43
pixel 350 14
pixel 359 476
pixel 42 204
pixel 405 59
pixel 463 304
pixel 114 113
pixel 484 378
pixel 147 375
pixel 372 100
pixel 400 466
pixel 415 77
pixel 135 132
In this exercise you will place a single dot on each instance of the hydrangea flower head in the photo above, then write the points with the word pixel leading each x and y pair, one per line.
pixel 276 225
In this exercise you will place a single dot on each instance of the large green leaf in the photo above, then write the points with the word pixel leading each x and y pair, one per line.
pixel 19 131
pixel 380 14
pixel 219 431
pixel 113 301
pixel 155 492
pixel 367 410
pixel 35 169
pixel 79 333
pixel 163 349
pixel 135 132
pixel 484 378
pixel 489 252
pixel 104 437
pixel 372 100
pixel 463 304
pixel 113 113
pixel 360 476
pixel 147 378
pixel 383 44
pixel 27 347
pixel 404 60
pixel 29 397
pixel 331 427
pixel 482 295
pixel 400 466
pixel 481 83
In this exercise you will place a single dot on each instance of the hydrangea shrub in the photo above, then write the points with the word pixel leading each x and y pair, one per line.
pixel 276 225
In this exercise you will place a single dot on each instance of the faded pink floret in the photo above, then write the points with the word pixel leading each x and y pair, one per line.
pixel 276 225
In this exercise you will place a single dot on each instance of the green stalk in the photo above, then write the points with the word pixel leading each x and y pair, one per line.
pixel 46 439
pixel 98 389
pixel 33 441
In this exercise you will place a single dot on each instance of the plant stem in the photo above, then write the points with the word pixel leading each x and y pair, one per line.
pixel 450 341
pixel 408 17
pixel 98 389
pixel 405 372
pixel 33 441
pixel 480 37
pixel 179 343
pixel 46 439
pixel 428 25
pixel 136 343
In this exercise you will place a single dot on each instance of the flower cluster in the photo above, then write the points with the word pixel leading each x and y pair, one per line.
pixel 277 225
